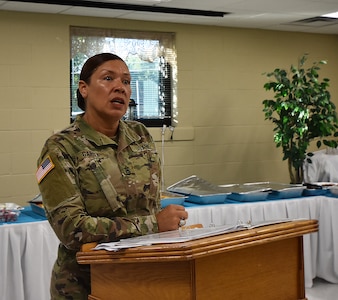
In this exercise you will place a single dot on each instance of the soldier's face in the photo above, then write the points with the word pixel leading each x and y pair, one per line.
pixel 108 93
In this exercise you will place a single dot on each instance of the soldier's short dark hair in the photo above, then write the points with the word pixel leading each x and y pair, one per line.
pixel 88 69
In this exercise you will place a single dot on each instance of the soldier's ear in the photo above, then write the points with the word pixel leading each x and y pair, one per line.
pixel 83 88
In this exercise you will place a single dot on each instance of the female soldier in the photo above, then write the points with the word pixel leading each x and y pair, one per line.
pixel 100 177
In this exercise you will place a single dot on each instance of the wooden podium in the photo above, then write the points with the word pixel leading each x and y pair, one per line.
pixel 264 263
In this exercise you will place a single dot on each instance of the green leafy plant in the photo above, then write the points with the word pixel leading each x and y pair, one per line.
pixel 302 111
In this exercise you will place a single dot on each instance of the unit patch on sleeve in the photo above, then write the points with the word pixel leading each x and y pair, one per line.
pixel 45 167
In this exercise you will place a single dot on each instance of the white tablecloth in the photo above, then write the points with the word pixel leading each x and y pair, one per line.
pixel 28 250
pixel 27 254
pixel 320 249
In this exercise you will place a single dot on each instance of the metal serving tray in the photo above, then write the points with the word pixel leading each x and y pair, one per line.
pixel 201 191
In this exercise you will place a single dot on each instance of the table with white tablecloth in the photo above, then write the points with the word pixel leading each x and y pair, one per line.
pixel 28 250
pixel 27 253
pixel 320 249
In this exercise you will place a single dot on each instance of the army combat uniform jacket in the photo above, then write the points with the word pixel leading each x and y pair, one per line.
pixel 96 189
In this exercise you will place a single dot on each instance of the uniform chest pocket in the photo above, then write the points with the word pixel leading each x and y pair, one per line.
pixel 106 185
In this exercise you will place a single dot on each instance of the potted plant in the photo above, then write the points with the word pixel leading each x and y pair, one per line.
pixel 301 111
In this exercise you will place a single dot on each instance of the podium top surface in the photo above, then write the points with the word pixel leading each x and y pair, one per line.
pixel 206 246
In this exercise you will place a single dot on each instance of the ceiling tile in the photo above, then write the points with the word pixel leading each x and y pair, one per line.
pixel 264 14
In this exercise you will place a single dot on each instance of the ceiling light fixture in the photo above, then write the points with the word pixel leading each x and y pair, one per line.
pixel 153 1
pixel 131 7
pixel 333 15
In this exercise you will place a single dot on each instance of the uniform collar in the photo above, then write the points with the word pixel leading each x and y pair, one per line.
pixel 125 135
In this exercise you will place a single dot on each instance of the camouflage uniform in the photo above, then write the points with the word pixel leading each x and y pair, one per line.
pixel 97 189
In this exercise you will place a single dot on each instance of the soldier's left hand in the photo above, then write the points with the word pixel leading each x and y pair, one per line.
pixel 171 217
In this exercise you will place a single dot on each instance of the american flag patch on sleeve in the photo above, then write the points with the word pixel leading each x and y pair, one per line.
pixel 45 167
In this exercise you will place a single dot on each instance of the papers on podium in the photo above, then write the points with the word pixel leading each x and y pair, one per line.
pixel 182 235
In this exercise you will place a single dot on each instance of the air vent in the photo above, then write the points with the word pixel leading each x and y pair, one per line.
pixel 315 22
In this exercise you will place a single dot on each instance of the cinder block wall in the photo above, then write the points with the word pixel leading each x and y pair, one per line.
pixel 221 134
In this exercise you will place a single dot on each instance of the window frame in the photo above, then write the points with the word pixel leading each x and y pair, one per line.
pixel 167 85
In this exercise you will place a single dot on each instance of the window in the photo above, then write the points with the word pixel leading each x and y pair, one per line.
pixel 151 58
